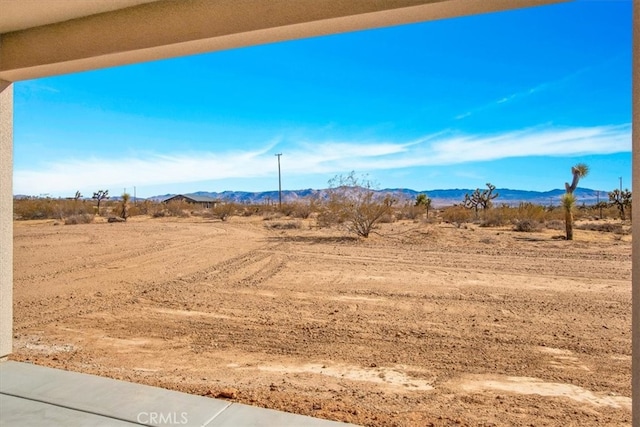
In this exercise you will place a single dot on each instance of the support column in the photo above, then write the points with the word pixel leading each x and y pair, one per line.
pixel 6 218
pixel 635 137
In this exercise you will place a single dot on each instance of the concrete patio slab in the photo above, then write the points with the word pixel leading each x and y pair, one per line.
pixel 17 411
pixel 36 395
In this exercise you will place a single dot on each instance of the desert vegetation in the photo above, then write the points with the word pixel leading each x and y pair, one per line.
pixel 352 205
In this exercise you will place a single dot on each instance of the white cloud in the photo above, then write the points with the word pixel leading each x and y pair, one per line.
pixel 319 158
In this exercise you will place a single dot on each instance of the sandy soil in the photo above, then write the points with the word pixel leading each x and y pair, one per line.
pixel 426 325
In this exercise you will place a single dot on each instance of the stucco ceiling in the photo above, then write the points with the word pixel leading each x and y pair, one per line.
pixel 22 14
pixel 41 38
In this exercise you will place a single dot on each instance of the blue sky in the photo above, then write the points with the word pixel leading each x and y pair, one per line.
pixel 512 98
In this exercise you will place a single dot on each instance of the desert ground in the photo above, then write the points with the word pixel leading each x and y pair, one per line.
pixel 419 325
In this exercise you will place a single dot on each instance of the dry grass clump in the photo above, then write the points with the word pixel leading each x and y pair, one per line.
pixel 457 215
pixel 606 227
pixel 527 226
pixel 272 215
pixel 84 218
pixel 411 211
pixel 284 225
pixel 555 224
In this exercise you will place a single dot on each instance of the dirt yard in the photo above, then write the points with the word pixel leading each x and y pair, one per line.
pixel 425 325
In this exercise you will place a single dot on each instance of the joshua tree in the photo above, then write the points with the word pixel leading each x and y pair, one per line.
pixel 578 171
pixel 77 196
pixel 480 199
pixel 424 200
pixel 621 200
pixel 568 200
pixel 124 207
pixel 99 196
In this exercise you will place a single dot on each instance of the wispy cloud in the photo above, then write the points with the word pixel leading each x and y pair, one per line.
pixel 321 157
pixel 544 86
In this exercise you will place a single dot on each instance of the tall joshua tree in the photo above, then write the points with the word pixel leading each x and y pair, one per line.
pixel 569 200
pixel 100 195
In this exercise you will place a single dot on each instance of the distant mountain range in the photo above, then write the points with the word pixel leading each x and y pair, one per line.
pixel 439 197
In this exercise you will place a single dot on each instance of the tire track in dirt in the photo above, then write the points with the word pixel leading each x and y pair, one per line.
pixel 237 271
pixel 551 266
pixel 103 262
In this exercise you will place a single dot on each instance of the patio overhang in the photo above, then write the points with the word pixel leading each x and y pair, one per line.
pixel 44 38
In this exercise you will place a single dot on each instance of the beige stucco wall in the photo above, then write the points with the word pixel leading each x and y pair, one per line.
pixel 635 106
pixel 6 217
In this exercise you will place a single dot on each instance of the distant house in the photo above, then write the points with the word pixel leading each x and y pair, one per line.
pixel 204 201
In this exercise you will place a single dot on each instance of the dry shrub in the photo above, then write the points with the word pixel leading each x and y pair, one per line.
pixel 224 210
pixel 411 211
pixel 353 204
pixel 496 217
pixel 328 217
pixel 79 219
pixel 530 212
pixel 271 215
pixel 284 225
pixel 250 210
pixel 47 208
pixel 179 208
pixel 302 209
pixel 606 227
pixel 488 240
pixel 555 224
pixel 387 218
pixel 527 225
pixel 457 215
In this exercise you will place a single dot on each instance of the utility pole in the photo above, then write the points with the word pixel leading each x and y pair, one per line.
pixel 620 178
pixel 279 183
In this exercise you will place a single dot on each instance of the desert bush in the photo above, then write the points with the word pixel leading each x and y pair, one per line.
pixel 329 216
pixel 353 204
pixel 179 208
pixel 144 207
pixel 527 225
pixel 555 224
pixel 271 215
pixel 457 215
pixel 530 212
pixel 411 211
pixel 224 210
pixel 605 227
pixel 284 225
pixel 84 218
pixel 47 208
pixel 387 218
pixel 302 209
pixel 496 217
